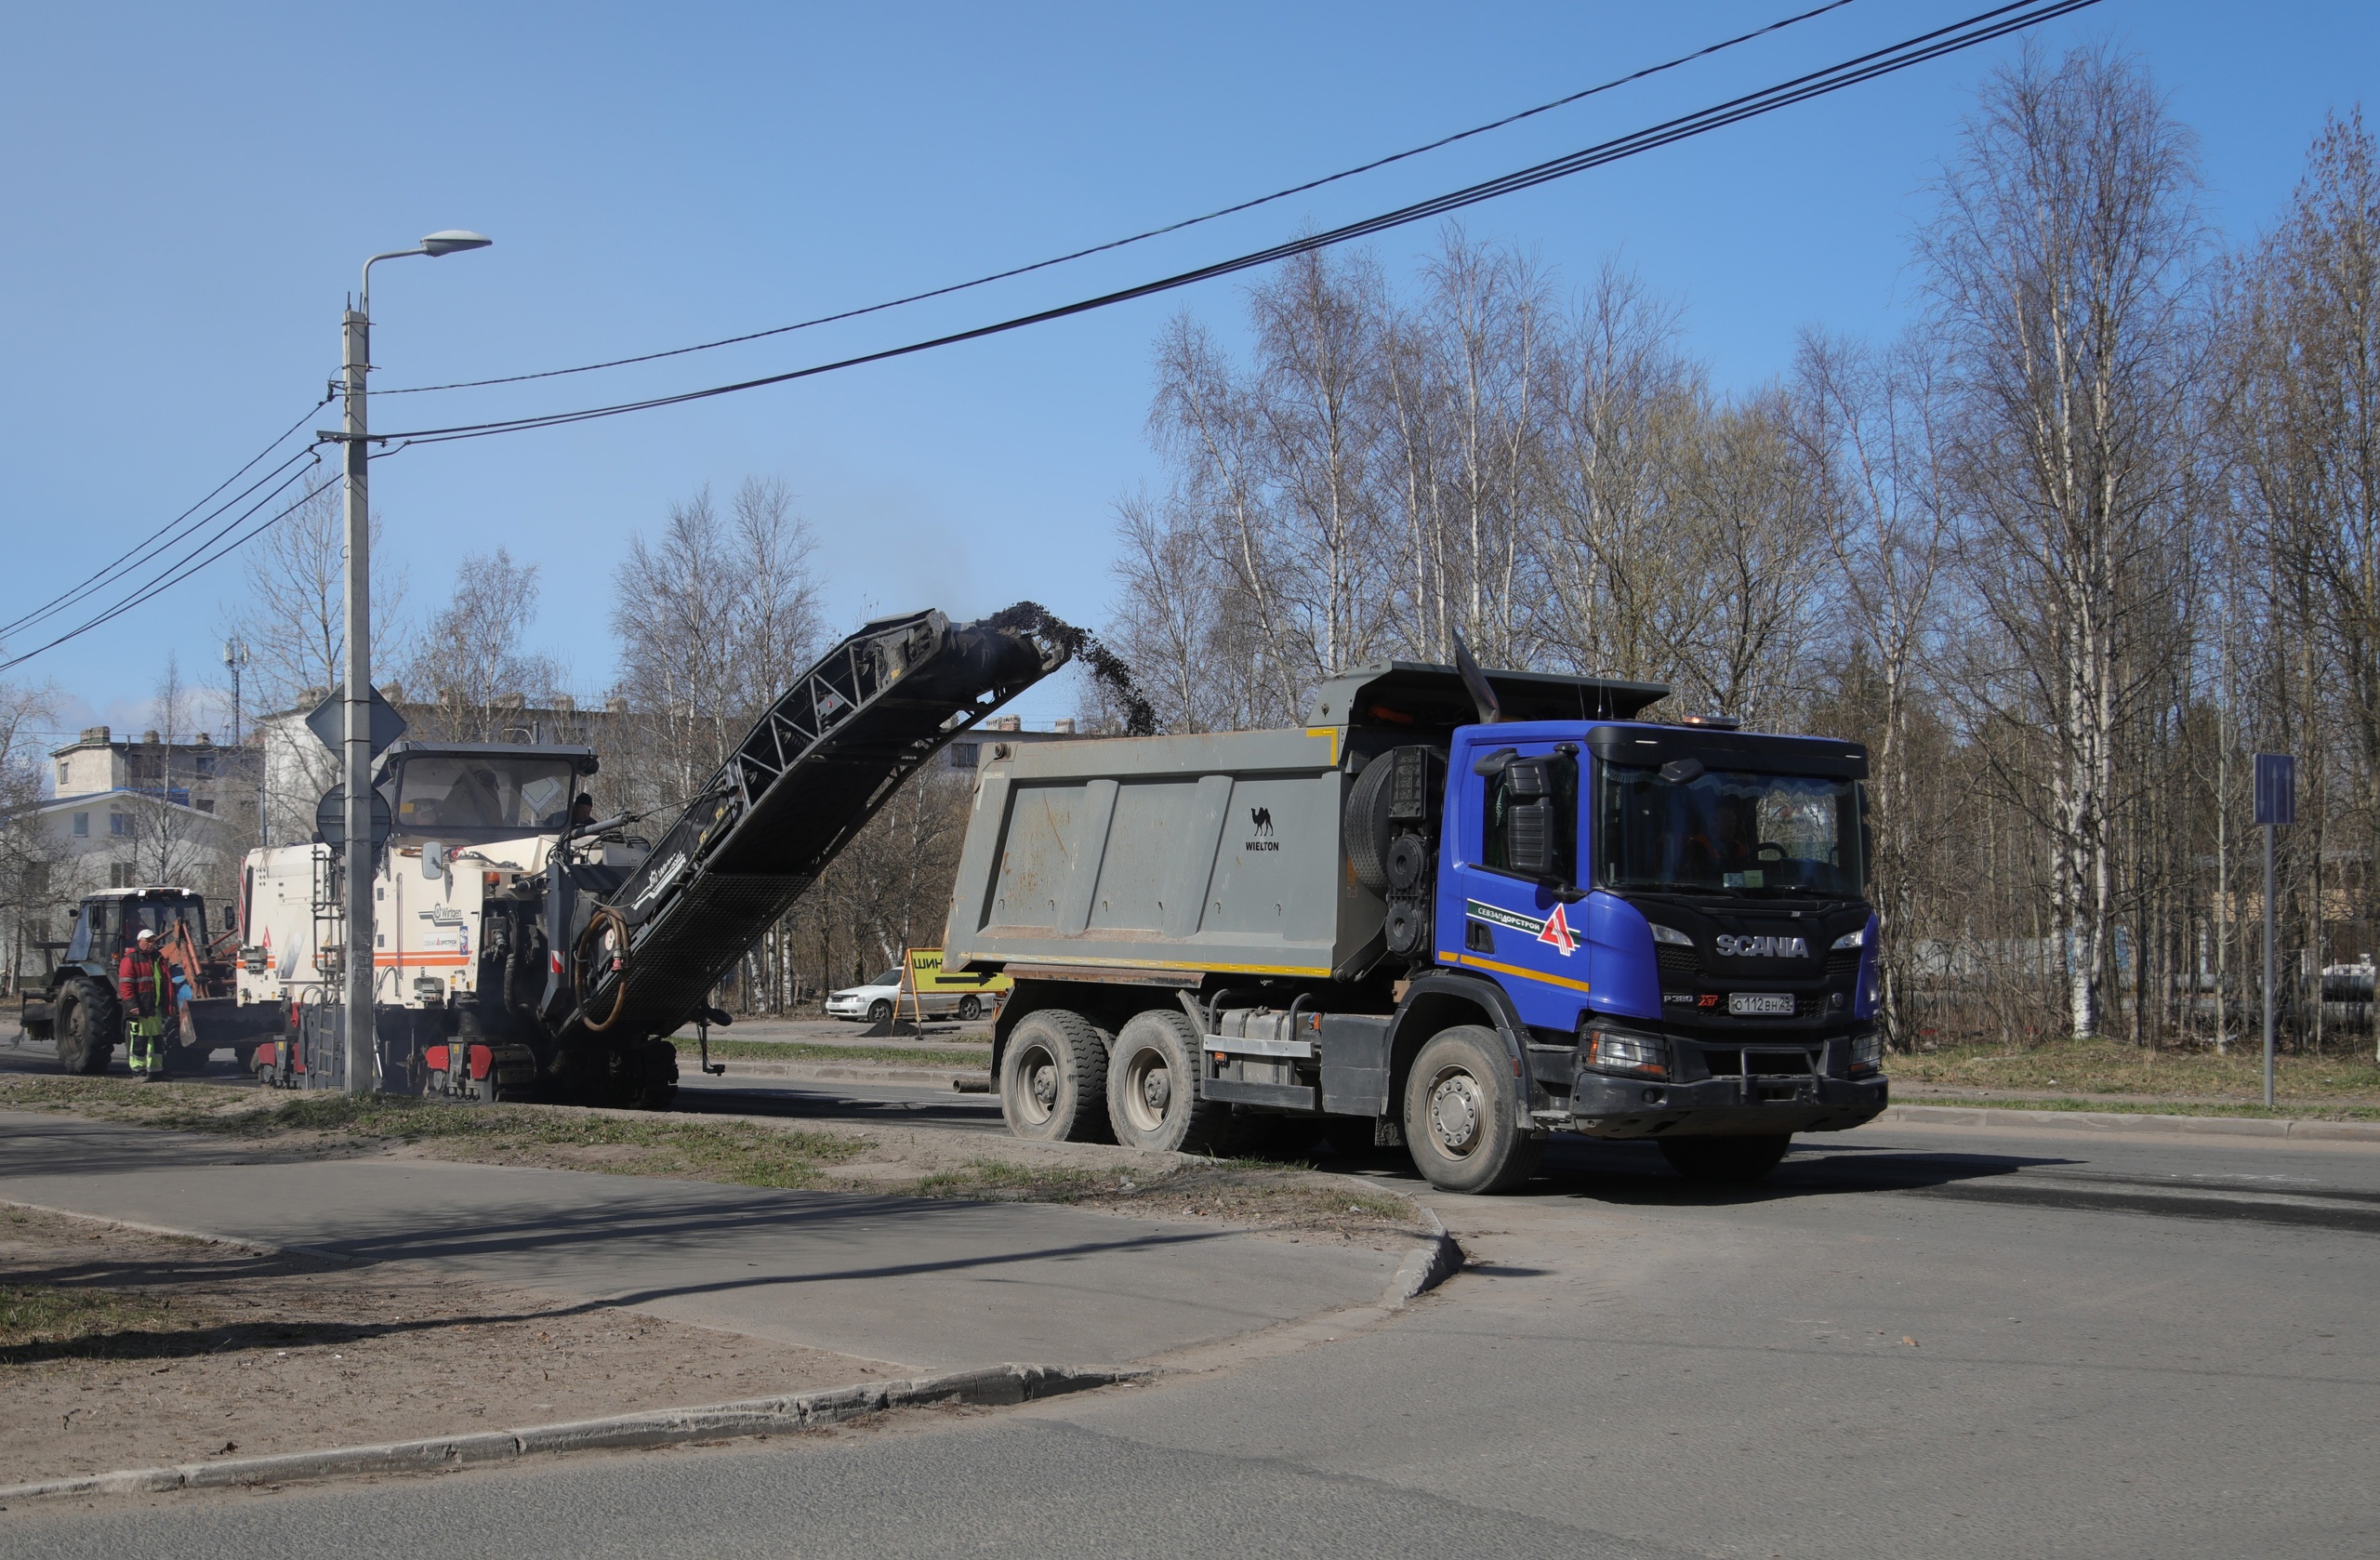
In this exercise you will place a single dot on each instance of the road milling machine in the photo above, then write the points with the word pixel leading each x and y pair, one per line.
pixel 518 955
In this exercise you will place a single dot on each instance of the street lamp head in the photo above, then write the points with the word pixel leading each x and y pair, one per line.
pixel 454 240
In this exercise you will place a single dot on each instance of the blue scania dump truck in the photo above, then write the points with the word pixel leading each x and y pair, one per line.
pixel 1456 911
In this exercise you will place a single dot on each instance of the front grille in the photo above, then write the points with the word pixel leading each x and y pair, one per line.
pixel 1771 1063
pixel 1757 1064
pixel 1678 965
pixel 1842 962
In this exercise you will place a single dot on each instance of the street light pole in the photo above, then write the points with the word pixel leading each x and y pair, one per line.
pixel 356 747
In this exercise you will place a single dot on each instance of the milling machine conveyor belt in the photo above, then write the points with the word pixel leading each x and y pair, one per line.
pixel 808 777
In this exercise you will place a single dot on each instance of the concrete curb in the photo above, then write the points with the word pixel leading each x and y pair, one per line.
pixel 2117 1121
pixel 1424 1267
pixel 660 1427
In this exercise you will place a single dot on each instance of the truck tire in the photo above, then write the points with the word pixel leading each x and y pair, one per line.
pixel 1053 1079
pixel 1728 1161
pixel 1463 1113
pixel 1153 1087
pixel 87 1026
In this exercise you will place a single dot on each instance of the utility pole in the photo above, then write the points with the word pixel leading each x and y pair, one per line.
pixel 355 746
pixel 235 656
pixel 2276 806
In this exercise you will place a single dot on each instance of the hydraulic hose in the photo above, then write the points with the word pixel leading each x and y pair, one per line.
pixel 604 917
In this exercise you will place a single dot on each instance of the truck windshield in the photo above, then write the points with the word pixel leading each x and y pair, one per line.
pixel 476 797
pixel 1731 832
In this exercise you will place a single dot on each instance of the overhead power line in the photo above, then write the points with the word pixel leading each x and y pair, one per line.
pixel 1981 28
pixel 1235 210
pixel 165 535
pixel 196 559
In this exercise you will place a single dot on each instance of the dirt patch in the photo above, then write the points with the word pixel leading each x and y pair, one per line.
pixel 125 1350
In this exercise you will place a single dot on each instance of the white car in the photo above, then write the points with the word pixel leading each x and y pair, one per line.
pixel 874 1001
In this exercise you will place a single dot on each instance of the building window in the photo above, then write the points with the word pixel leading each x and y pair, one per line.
pixel 205 804
pixel 81 825
pixel 119 824
pixel 65 771
pixel 962 755
pixel 120 876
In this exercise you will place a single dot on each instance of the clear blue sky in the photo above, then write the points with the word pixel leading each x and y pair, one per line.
pixel 190 190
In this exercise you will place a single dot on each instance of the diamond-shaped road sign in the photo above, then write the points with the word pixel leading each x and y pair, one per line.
pixel 328 722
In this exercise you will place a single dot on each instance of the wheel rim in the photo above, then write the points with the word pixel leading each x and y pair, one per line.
pixel 1458 1112
pixel 969 1008
pixel 1148 1090
pixel 1037 1082
pixel 881 1012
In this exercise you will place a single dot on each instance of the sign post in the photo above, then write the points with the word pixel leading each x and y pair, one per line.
pixel 2276 806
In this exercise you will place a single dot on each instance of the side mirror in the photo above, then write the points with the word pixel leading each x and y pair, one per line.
pixel 433 860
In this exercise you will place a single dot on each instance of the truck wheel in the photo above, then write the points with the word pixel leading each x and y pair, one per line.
pixel 1153 1087
pixel 1053 1079
pixel 1463 1113
pixel 86 1027
pixel 970 1008
pixel 1739 1161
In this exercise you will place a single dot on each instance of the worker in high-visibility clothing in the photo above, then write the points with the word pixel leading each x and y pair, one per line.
pixel 146 987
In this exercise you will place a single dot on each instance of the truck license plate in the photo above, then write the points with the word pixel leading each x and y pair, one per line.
pixel 1753 1004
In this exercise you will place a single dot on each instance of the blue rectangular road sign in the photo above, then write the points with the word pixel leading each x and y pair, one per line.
pixel 2276 788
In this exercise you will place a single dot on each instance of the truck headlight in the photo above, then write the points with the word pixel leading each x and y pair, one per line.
pixel 1866 1053
pixel 1630 1055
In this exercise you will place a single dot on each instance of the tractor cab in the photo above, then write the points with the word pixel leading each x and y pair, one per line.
pixel 106 923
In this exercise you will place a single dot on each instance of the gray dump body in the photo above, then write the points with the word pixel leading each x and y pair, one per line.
pixel 1165 856
pixel 1178 856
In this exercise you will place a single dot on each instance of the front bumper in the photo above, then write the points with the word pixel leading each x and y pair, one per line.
pixel 1602 1106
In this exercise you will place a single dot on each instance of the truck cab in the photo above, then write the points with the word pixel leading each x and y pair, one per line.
pixel 1678 917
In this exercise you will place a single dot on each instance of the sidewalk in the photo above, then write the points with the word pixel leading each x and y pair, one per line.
pixel 922 1285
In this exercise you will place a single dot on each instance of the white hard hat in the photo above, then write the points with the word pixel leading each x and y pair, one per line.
pixel 146 933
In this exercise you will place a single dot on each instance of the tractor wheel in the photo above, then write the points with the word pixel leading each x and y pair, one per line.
pixel 87 1023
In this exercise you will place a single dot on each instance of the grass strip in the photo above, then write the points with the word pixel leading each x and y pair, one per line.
pixel 1241 1191
pixel 885 1055
pixel 739 1153
pixel 2153 1107
pixel 2103 1066
pixel 50 1321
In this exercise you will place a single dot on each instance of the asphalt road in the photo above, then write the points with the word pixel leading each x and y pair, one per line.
pixel 1913 1342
